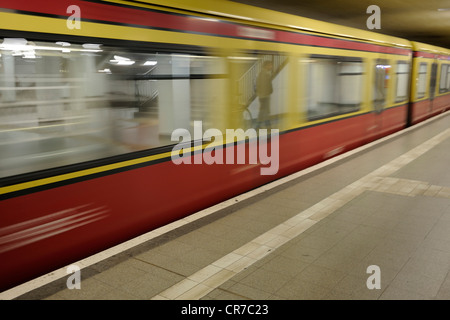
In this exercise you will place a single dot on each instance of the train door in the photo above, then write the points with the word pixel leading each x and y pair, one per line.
pixel 381 82
pixel 433 78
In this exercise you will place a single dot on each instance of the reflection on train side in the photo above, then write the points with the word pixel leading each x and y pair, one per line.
pixel 63 103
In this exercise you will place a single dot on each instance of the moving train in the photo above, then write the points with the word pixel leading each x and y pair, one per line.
pixel 93 92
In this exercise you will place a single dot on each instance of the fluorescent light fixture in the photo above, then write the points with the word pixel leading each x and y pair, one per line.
pixel 14 44
pixel 106 70
pixel 29 54
pixel 122 61
pixel 443 9
pixel 243 58
pixel 121 58
pixel 20 44
pixel 64 44
pixel 92 46
pixel 150 63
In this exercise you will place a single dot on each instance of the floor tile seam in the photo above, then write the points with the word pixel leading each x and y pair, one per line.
pixel 234 293
pixel 330 251
pixel 411 256
pixel 443 282
pixel 429 231
pixel 440 278
pixel 396 286
pixel 389 284
pixel 433 247
pixel 346 272
pixel 259 288
pixel 338 285
pixel 317 284
pixel 160 267
pixel 111 288
pixel 405 281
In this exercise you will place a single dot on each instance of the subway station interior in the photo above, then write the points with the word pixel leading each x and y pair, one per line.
pixel 224 151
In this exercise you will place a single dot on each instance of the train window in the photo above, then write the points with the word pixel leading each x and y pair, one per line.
pixel 444 81
pixel 402 73
pixel 334 86
pixel 448 77
pixel 261 88
pixel 381 84
pixel 63 103
pixel 422 80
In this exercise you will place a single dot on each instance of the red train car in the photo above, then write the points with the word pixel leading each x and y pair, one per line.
pixel 431 84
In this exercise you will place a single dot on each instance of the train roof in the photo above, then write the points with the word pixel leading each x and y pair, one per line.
pixel 423 47
pixel 230 10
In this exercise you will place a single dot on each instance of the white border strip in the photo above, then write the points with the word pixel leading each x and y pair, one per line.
pixel 91 260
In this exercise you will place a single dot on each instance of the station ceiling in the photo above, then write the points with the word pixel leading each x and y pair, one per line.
pixel 425 21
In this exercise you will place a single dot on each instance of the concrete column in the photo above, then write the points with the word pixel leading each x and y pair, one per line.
pixel 173 94
pixel 8 79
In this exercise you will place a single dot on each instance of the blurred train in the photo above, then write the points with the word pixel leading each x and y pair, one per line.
pixel 91 92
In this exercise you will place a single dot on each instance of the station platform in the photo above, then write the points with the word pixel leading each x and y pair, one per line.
pixel 371 224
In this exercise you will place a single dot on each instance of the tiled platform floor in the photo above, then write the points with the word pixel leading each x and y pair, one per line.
pixel 311 238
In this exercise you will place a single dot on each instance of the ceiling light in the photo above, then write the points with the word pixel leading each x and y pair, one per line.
pixel 92 46
pixel 29 55
pixel 14 44
pixel 123 61
pixel 106 70
pixel 63 43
